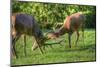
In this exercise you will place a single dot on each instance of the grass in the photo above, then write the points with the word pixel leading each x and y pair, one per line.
pixel 59 53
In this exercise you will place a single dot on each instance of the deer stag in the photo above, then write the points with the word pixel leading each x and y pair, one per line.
pixel 23 24
pixel 71 24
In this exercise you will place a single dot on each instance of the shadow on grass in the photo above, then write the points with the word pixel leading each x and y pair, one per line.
pixel 91 47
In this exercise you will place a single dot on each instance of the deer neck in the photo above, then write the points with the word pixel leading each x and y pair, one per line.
pixel 61 31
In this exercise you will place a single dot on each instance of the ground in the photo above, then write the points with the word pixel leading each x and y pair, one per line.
pixel 59 53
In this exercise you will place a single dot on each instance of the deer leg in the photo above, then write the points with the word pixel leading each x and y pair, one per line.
pixel 13 48
pixel 40 48
pixel 34 46
pixel 77 37
pixel 39 45
pixel 69 37
pixel 13 45
pixel 25 45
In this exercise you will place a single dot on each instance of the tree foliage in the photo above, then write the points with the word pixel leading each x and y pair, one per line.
pixel 47 14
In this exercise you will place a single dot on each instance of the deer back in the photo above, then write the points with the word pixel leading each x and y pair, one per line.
pixel 74 21
pixel 26 24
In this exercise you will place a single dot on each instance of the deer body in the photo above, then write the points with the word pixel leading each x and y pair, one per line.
pixel 23 24
pixel 71 24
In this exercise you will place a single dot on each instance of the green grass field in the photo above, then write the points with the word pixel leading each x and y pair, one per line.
pixel 59 53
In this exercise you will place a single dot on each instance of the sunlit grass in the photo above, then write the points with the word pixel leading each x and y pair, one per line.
pixel 59 53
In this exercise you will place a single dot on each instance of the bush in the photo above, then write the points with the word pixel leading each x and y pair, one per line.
pixel 49 14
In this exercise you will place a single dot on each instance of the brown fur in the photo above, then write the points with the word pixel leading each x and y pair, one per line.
pixel 23 24
pixel 71 24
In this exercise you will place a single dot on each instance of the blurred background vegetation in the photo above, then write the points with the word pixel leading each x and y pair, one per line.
pixel 48 14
